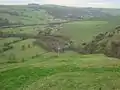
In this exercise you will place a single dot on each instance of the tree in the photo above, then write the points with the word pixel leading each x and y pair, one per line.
pixel 23 47
pixel 29 46
pixel 23 60
pixel 6 44
pixel 1 33
pixel 21 30
pixel 84 44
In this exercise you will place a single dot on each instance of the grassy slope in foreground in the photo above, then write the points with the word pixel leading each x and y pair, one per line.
pixel 68 72
pixel 85 30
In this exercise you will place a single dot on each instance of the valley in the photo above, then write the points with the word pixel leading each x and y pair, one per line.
pixel 50 47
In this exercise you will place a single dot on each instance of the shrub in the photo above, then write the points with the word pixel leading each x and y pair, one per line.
pixel 6 44
pixel 12 61
pixel 23 38
pixel 7 48
pixel 37 55
pixel 23 47
pixel 83 44
pixel 29 46
pixel 23 60
pixel 33 57
pixel 21 30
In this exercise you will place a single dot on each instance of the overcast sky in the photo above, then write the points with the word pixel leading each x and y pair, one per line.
pixel 77 3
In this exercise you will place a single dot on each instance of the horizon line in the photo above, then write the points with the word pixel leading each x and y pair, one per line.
pixel 58 5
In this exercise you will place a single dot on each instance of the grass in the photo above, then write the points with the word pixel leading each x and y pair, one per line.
pixel 30 74
pixel 17 51
pixel 70 71
pixel 20 54
pixel 85 30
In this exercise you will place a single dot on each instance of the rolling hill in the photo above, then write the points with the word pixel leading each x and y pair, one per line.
pixel 84 31
pixel 76 12
pixel 24 14
pixel 78 31
pixel 29 55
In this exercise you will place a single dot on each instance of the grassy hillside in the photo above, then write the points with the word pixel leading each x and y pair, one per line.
pixel 31 61
pixel 107 43
pixel 85 30
pixel 36 14
pixel 30 50
pixel 69 71
pixel 79 31
pixel 64 12
pixel 82 31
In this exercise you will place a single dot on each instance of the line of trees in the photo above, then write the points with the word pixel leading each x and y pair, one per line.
pixel 6 48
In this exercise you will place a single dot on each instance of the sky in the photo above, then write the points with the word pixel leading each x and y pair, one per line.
pixel 76 3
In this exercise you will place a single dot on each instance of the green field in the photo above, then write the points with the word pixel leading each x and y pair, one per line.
pixel 85 30
pixel 20 54
pixel 25 65
pixel 78 31
pixel 68 72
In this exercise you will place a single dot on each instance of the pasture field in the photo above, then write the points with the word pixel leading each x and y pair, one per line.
pixel 85 30
pixel 27 66
pixel 69 71
pixel 30 48
pixel 78 31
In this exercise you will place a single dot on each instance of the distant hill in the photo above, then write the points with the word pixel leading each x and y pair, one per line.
pixel 24 14
pixel 36 14
pixel 95 20
pixel 74 12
